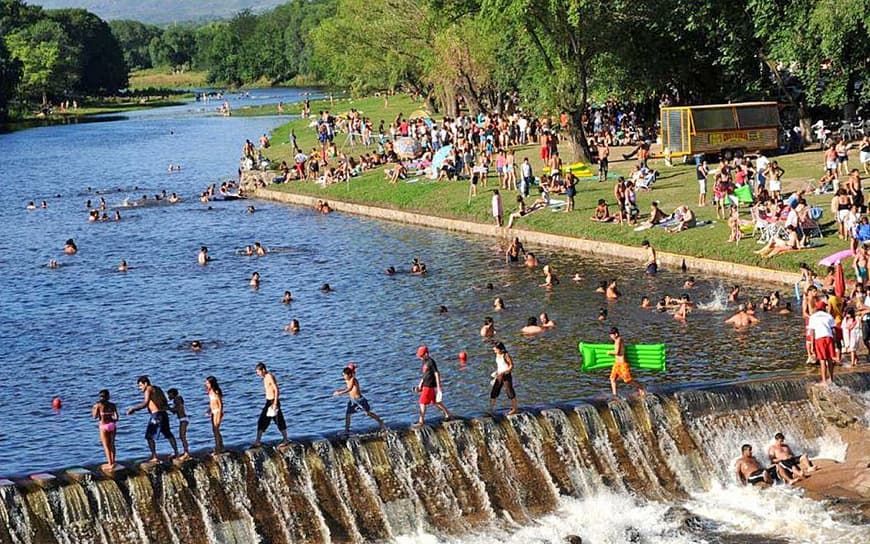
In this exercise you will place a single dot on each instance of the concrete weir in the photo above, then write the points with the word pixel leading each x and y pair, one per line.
pixel 666 260
pixel 450 478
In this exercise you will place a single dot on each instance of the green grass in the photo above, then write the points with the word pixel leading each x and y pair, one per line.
pixel 164 78
pixel 676 185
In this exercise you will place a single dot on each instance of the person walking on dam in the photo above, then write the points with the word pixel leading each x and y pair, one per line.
pixel 272 409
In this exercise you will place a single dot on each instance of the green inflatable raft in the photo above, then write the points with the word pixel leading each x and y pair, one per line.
pixel 643 356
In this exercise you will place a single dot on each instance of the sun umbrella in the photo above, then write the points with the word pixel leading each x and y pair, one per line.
pixel 839 281
pixel 407 148
pixel 419 114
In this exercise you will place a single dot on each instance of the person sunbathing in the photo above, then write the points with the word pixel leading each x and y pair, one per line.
pixel 685 219
pixel 777 245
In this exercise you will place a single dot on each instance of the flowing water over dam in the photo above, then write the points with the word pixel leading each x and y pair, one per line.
pixel 477 480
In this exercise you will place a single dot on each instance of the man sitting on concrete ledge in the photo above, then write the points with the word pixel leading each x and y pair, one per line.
pixel 789 467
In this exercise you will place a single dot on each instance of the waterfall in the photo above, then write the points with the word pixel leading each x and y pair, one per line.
pixel 450 479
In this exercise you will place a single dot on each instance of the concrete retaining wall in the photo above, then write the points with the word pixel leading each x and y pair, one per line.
pixel 666 260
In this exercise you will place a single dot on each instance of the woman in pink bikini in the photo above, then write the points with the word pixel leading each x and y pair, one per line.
pixel 107 413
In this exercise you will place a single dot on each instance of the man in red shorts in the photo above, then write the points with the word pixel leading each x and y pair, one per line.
pixel 430 386
pixel 821 328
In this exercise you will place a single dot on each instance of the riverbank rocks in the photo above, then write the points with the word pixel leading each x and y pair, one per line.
pixel 838 406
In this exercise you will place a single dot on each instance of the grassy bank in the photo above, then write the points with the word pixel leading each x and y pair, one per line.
pixel 163 78
pixel 676 186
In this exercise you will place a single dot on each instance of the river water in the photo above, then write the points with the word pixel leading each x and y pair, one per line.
pixel 82 327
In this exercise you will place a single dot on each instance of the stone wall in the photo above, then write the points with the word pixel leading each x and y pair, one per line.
pixel 666 260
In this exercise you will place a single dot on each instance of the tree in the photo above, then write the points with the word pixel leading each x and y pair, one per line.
pixel 98 61
pixel 10 76
pixel 376 46
pixel 47 60
pixel 134 38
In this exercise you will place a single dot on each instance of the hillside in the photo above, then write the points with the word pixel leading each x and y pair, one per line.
pixel 162 11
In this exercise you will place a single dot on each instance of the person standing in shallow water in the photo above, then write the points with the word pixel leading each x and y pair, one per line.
pixel 272 409
pixel 155 401
pixel 215 411
pixel 503 377
pixel 429 386
pixel 107 413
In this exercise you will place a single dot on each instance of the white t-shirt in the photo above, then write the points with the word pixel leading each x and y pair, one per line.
pixel 822 324
pixel 791 219
pixel 761 164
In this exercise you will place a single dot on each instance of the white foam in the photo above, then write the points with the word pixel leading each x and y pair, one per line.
pixel 606 518
pixel 719 302
pixel 776 512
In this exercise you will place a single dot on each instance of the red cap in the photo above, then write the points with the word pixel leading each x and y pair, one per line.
pixel 463 356
pixel 820 305
pixel 422 351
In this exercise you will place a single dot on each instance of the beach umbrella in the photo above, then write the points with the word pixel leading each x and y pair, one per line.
pixel 839 281
pixel 407 148
pixel 440 156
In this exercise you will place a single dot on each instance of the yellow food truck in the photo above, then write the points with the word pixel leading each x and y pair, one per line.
pixel 718 128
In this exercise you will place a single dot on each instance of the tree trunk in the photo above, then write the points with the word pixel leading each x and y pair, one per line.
pixel 577 133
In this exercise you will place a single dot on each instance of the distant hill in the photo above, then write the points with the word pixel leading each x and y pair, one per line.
pixel 162 11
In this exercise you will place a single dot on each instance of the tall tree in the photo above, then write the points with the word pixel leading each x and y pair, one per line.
pixel 99 61
pixel 134 38
pixel 47 59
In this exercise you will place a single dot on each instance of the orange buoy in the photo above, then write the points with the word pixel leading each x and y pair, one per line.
pixel 463 357
pixel 56 403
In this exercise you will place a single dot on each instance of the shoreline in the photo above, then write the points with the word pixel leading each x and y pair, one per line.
pixel 583 245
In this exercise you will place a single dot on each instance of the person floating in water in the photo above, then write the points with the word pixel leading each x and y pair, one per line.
pixel 259 249
pixel 293 326
pixel 287 298
pixel 356 401
pixel 255 280
pixel 70 247
pixel 123 266
pixel 107 413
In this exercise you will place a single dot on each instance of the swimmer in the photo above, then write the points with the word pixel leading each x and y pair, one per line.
pixel 662 305
pixel 442 309
pixel 750 471
pixel 259 250
pixel 602 314
pixel 489 287
pixel 249 251
pixel 786 310
pixel 415 266
pixel 531 260
pixel 117 215
pixel 742 319
pixel 70 247
pixel 287 298
pixel 44 205
pixel 612 292
pixel 735 294
pixel 104 217
pixel 391 270
pixel 546 322
pixel 123 266
pixel 52 263
pixel 255 280
pixel 93 216
pixel 203 257
pixel 251 209
pixel 774 299
pixel 293 327
pixel 30 206
pixel 550 278
pixel 532 327
pixel 498 304
pixel 196 345
pixel 602 287
pixel 88 204
pixel 765 304
pixel 682 310
pixel 173 198
pixel 488 328
pixel 645 303
pixel 325 288
pixel 689 283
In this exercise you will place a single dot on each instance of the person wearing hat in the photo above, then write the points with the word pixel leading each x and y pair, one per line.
pixel 429 386
pixel 821 328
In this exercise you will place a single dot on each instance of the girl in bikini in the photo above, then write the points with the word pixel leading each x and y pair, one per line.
pixel 107 413
pixel 215 411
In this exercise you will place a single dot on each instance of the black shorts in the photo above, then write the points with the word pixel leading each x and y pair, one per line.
pixel 265 419
pixel 159 422
pixel 508 382
pixel 758 476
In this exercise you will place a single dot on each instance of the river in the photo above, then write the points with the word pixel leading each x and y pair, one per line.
pixel 71 331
